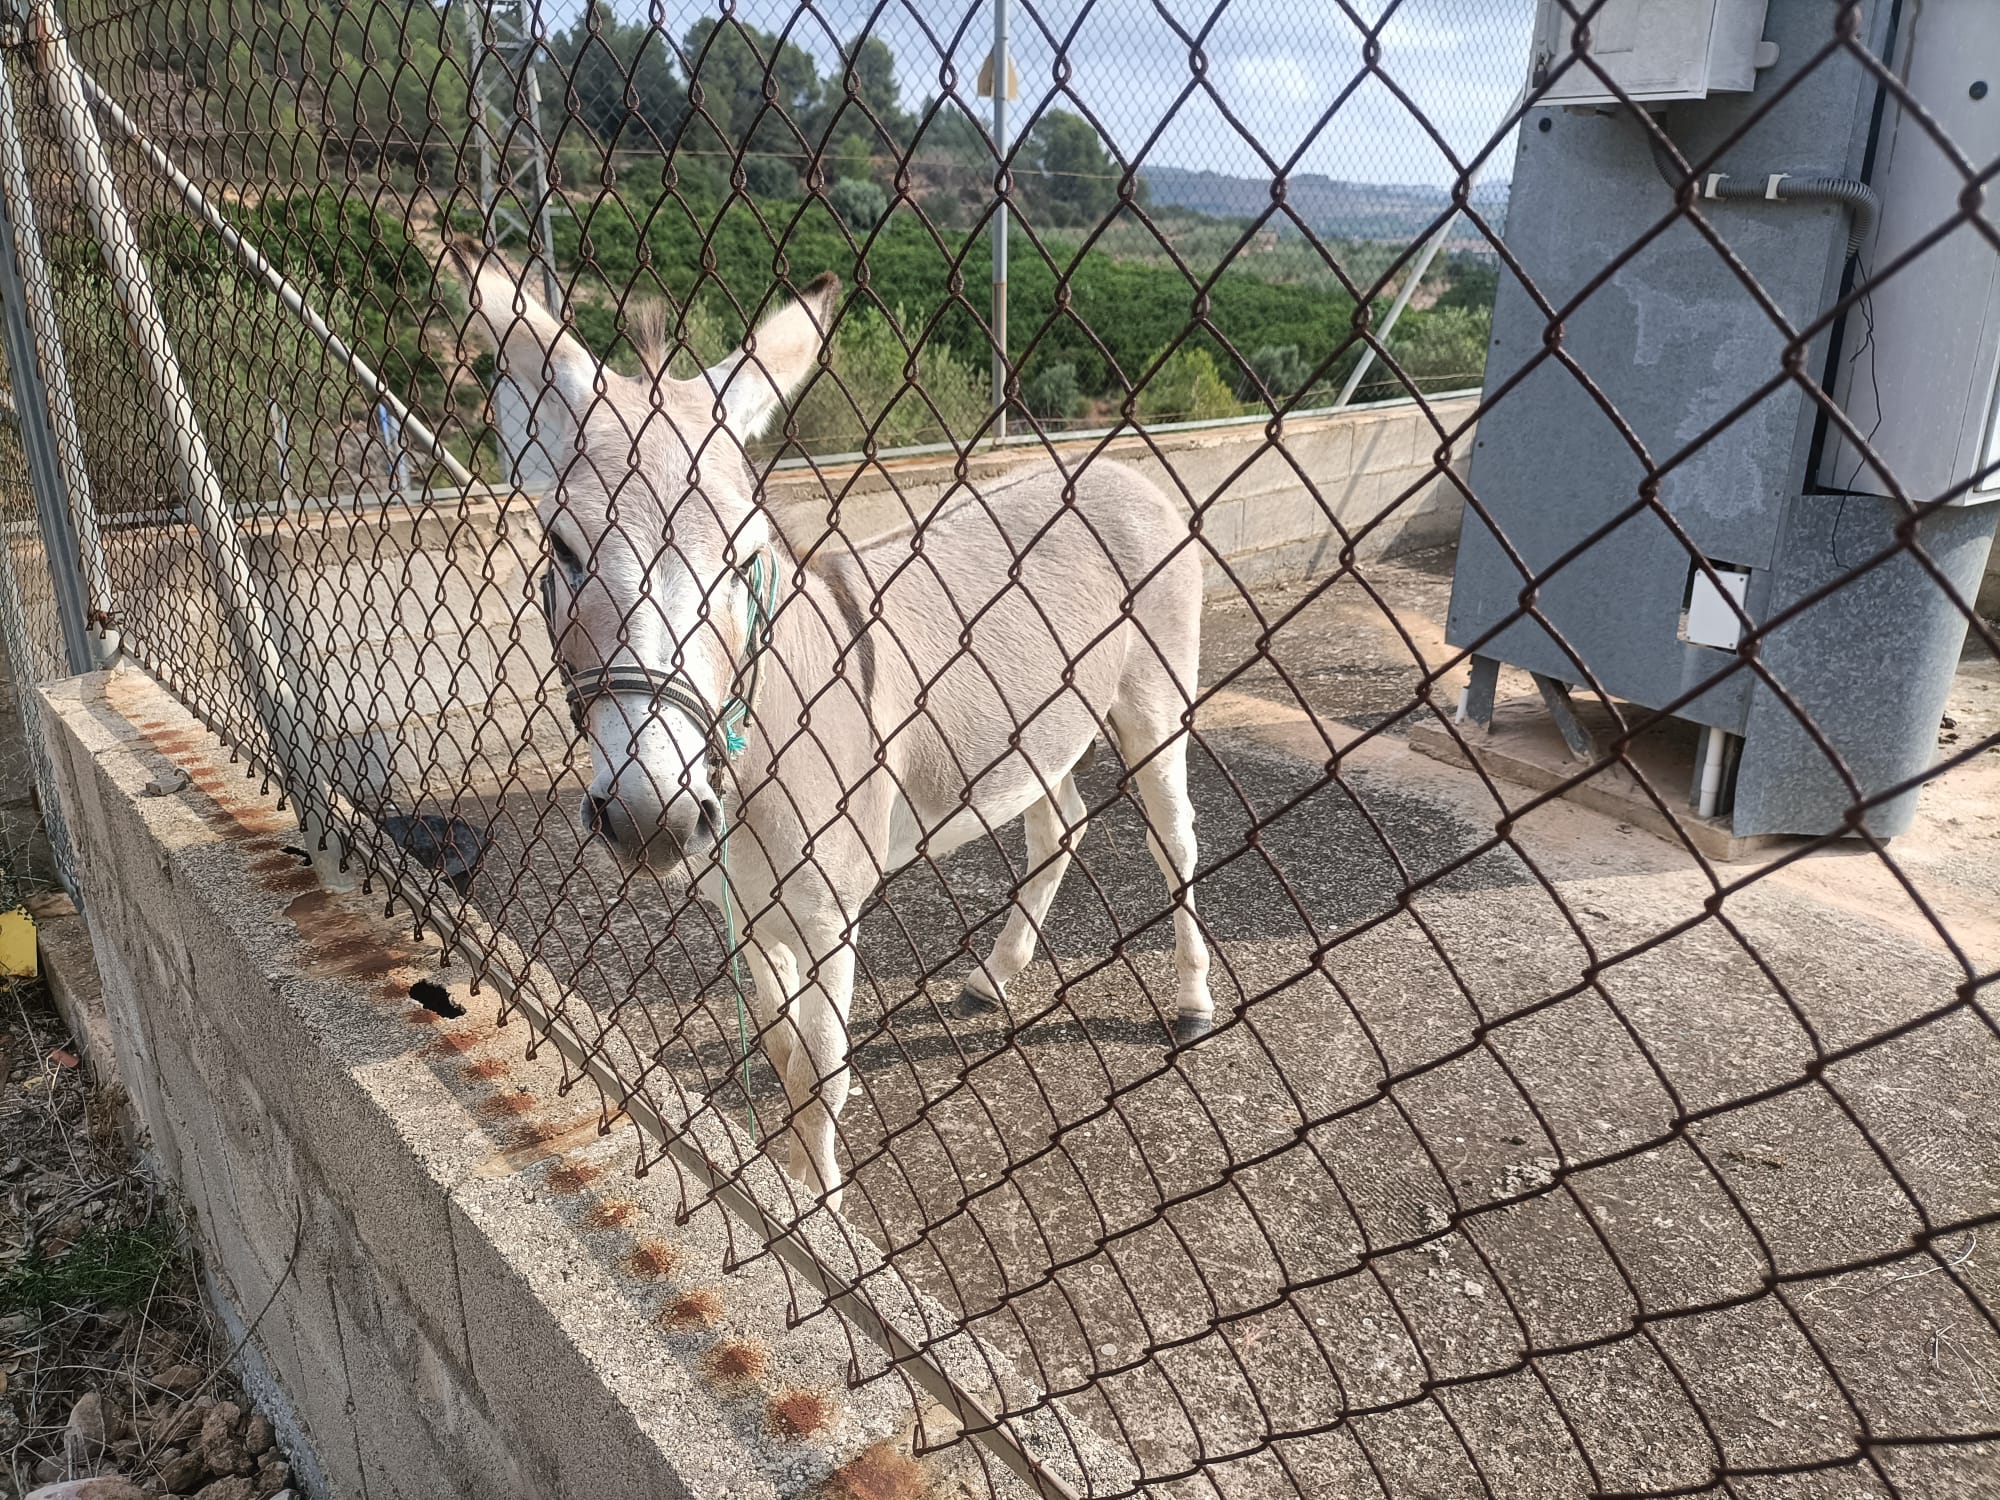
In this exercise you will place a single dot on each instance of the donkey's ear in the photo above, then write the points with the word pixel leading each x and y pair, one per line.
pixel 534 349
pixel 774 361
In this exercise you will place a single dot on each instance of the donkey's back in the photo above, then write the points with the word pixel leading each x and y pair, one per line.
pixel 1030 614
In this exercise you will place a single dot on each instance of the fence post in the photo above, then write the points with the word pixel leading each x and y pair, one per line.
pixel 45 477
pixel 288 717
pixel 1001 63
pixel 63 495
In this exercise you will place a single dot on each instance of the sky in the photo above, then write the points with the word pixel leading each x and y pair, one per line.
pixel 1277 66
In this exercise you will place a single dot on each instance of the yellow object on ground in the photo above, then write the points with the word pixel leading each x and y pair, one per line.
pixel 17 943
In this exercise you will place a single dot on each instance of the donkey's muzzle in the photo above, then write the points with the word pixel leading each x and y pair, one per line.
pixel 652 834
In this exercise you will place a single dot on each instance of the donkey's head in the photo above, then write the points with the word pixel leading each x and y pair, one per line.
pixel 658 550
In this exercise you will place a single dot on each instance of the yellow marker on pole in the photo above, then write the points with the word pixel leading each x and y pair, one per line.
pixel 986 79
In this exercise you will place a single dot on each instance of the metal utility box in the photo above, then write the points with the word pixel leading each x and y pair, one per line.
pixel 1653 49
pixel 1670 385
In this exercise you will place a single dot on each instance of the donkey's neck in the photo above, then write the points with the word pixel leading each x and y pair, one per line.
pixel 821 628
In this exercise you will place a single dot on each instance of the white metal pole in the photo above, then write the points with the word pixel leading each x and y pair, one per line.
pixel 286 716
pixel 1711 770
pixel 281 451
pixel 530 103
pixel 1423 263
pixel 54 365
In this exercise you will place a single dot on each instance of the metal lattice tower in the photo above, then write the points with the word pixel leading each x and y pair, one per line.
pixel 517 203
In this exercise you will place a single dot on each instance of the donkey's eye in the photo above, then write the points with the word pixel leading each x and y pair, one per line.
pixel 564 554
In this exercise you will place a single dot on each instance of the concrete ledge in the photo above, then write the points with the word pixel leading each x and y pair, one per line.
pixel 434 1249
pixel 1525 747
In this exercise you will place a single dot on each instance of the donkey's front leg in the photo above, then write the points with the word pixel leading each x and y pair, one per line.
pixel 1054 827
pixel 815 1075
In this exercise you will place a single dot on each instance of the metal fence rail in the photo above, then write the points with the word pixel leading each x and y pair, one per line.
pixel 409 449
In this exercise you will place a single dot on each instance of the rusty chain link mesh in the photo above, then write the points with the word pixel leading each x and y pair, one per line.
pixel 1511 1167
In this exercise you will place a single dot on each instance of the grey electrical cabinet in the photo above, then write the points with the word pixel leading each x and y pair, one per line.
pixel 1682 414
pixel 1652 49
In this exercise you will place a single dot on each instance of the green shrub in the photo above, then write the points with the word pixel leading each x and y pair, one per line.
pixel 859 204
pixel 879 394
pixel 1052 393
pixel 1439 348
pixel 1281 371
pixel 1187 388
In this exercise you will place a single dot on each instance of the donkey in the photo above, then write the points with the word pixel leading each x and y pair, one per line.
pixel 860 709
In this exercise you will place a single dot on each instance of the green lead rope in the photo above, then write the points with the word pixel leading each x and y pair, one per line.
pixel 763 589
pixel 736 978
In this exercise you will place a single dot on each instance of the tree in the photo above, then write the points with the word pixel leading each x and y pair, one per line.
pixel 858 203
pixel 1187 388
pixel 1279 370
pixel 861 115
pixel 953 162
pixel 619 81
pixel 1474 281
pixel 1052 393
pixel 729 64
pixel 1067 178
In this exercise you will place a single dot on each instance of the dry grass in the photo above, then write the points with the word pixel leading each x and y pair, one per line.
pixel 98 1291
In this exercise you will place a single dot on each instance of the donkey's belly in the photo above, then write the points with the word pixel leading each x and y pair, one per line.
pixel 999 797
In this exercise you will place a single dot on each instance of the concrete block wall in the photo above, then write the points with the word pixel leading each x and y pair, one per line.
pixel 1270 512
pixel 450 1283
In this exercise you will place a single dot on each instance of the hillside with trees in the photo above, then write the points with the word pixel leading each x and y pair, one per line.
pixel 707 168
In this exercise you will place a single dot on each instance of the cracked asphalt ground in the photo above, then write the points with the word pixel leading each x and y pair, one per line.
pixel 1518 1167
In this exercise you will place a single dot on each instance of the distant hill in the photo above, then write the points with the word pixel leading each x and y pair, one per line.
pixel 1347 210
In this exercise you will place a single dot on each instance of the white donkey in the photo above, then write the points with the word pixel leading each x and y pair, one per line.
pixel 870 707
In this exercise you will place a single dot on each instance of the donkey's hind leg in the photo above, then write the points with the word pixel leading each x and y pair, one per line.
pixel 1159 750
pixel 1055 827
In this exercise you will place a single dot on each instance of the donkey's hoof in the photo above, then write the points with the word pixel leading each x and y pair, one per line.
pixel 971 1003
pixel 1190 1029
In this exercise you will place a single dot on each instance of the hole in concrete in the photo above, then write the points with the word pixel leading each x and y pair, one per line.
pixel 434 997
pixel 305 858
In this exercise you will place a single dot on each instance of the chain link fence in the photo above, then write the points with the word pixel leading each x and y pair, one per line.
pixel 1328 1122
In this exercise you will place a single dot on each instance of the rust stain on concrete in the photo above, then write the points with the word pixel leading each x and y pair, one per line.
pixel 737 1362
pixel 799 1414
pixel 541 1142
pixel 573 1177
pixel 652 1259
pixel 506 1106
pixel 610 1213
pixel 342 942
pixel 701 1308
pixel 880 1471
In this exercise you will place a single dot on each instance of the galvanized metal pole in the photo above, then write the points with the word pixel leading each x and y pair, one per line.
pixel 1424 258
pixel 504 48
pixel 289 718
pixel 999 313
pixel 288 295
pixel 45 477
pixel 83 542
pixel 475 35
pixel 281 452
